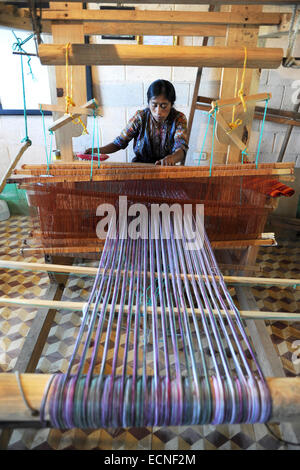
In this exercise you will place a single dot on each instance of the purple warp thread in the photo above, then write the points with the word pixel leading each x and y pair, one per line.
pixel 180 357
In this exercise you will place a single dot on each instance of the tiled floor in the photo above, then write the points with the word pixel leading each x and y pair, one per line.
pixel 280 261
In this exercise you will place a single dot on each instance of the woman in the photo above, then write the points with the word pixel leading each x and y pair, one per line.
pixel 159 131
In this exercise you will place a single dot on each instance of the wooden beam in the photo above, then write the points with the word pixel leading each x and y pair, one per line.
pixel 13 164
pixel 180 56
pixel 235 101
pixel 154 29
pixel 18 18
pixel 285 395
pixel 138 174
pixel 78 306
pixel 152 16
pixel 181 170
pixel 90 271
pixel 73 110
pixel 196 2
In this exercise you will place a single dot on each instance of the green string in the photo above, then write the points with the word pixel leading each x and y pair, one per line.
pixel 92 156
pixel 261 132
pixel 18 46
pixel 205 135
pixel 98 143
pixel 213 138
pixel 212 143
pixel 48 156
pixel 244 152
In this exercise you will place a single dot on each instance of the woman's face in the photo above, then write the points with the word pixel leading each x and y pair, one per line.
pixel 160 107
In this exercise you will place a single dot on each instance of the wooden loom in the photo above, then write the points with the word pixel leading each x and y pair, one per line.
pixel 286 406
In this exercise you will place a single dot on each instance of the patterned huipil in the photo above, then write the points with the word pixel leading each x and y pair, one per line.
pixel 152 140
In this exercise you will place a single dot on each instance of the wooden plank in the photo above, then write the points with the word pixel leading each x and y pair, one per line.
pixel 180 56
pixel 19 18
pixel 236 101
pixel 146 16
pixel 154 29
pixel 73 109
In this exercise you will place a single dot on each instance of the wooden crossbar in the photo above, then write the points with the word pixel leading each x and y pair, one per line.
pixel 90 271
pixel 285 395
pixel 79 306
pixel 152 16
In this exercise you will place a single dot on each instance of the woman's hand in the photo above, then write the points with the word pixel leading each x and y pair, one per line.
pixel 90 151
pixel 169 160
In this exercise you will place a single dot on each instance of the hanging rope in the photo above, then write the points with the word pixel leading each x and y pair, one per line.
pixel 48 154
pixel 237 122
pixel 93 140
pixel 261 132
pixel 18 46
pixel 69 92
pixel 214 112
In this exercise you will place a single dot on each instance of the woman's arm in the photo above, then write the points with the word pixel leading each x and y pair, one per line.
pixel 170 160
pixel 109 148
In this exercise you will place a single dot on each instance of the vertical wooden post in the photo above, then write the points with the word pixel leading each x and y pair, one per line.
pixel 239 36
pixel 62 34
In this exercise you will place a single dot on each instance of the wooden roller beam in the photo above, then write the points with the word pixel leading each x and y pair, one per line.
pixel 285 394
pixel 179 56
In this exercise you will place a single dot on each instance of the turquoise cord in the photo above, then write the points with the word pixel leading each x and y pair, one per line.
pixel 92 156
pixel 212 143
pixel 213 138
pixel 18 46
pixel 261 132
pixel 48 156
pixel 205 135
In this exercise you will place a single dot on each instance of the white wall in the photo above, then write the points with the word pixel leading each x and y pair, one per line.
pixel 121 90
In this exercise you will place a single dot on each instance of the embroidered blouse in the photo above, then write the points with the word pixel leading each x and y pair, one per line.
pixel 152 140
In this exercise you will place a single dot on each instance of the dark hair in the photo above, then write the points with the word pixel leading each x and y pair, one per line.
pixel 162 87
